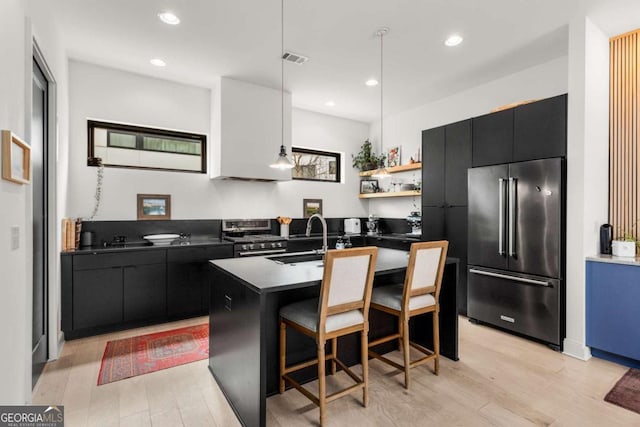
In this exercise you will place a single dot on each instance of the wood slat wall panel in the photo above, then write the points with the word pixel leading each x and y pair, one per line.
pixel 624 124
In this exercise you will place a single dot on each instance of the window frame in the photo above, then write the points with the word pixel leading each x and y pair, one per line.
pixel 140 132
pixel 336 155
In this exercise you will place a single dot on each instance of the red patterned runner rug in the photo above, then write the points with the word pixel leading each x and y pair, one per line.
pixel 143 354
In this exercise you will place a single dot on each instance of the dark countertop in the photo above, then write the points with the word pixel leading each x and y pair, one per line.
pixel 142 245
pixel 265 275
pixel 406 237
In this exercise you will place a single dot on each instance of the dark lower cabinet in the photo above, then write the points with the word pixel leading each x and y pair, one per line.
pixel 187 279
pixel 145 292
pixel 96 298
pixel 456 233
pixel 185 289
pixel 107 291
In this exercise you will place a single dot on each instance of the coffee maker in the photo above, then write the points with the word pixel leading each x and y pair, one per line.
pixel 372 226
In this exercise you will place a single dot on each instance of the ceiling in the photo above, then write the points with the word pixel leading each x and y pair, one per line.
pixel 241 39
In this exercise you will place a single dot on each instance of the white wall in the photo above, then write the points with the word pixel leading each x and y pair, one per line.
pixel 587 168
pixel 405 129
pixel 20 23
pixel 113 95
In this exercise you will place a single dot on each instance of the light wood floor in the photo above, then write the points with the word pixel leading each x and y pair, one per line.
pixel 500 380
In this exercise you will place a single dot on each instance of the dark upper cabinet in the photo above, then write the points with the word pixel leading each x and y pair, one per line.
pixel 493 138
pixel 533 131
pixel 540 129
pixel 457 161
pixel 433 166
pixel 446 158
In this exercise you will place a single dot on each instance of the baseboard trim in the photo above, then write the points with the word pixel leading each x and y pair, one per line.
pixel 576 349
pixel 61 342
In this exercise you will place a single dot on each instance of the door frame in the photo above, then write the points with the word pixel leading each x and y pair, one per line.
pixel 54 336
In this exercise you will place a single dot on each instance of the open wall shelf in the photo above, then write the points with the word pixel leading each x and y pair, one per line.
pixel 411 193
pixel 395 169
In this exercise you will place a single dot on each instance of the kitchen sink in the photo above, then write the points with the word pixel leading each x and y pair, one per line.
pixel 296 257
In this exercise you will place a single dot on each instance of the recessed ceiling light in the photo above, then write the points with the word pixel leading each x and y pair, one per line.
pixel 330 104
pixel 169 18
pixel 371 82
pixel 158 62
pixel 453 40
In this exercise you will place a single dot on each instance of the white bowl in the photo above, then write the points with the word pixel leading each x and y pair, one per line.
pixel 161 239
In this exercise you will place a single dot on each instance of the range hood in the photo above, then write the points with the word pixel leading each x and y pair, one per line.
pixel 247 131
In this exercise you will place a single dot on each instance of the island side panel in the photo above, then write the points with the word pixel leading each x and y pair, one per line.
pixel 236 358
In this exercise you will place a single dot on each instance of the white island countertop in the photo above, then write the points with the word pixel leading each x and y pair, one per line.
pixel 615 259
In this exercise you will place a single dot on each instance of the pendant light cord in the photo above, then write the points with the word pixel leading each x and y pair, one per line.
pixel 282 73
pixel 381 92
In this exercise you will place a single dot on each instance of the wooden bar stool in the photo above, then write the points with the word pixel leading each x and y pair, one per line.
pixel 342 309
pixel 418 295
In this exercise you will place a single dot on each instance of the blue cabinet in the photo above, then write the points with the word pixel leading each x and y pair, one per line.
pixel 613 306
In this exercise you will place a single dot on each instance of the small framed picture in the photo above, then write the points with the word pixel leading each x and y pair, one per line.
pixel 393 157
pixel 154 206
pixel 311 206
pixel 368 186
pixel 16 159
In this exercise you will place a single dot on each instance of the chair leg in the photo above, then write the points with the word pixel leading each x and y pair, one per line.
pixel 400 342
pixel 283 351
pixel 334 353
pixel 436 341
pixel 364 352
pixel 322 394
pixel 405 342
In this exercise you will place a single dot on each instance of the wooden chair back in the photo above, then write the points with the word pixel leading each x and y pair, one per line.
pixel 347 282
pixel 425 270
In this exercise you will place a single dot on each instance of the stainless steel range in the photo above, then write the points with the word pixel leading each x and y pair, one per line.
pixel 252 237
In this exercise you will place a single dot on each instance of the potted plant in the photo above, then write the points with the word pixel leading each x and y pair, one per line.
pixel 625 245
pixel 366 159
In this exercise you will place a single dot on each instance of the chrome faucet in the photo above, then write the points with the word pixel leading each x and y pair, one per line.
pixel 325 244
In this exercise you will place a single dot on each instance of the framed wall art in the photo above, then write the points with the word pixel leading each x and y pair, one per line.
pixel 154 206
pixel 311 206
pixel 393 157
pixel 368 186
pixel 16 159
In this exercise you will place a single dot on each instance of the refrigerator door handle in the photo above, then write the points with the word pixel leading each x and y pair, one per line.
pixel 501 182
pixel 508 277
pixel 512 216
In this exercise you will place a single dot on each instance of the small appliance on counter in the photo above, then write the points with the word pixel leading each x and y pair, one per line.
pixel 415 222
pixel 606 236
pixel 373 227
pixel 352 226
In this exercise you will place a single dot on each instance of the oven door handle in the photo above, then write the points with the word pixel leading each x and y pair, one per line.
pixel 265 252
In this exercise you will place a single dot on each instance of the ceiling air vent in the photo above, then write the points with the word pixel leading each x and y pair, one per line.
pixel 295 58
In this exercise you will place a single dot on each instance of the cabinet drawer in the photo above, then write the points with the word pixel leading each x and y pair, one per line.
pixel 197 254
pixel 525 308
pixel 118 259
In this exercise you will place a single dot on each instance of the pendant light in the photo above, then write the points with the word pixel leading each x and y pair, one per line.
pixel 381 172
pixel 282 162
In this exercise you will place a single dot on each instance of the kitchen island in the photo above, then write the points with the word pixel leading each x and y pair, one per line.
pixel 246 296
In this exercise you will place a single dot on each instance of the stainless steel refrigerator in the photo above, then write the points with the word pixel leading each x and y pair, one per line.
pixel 517 248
